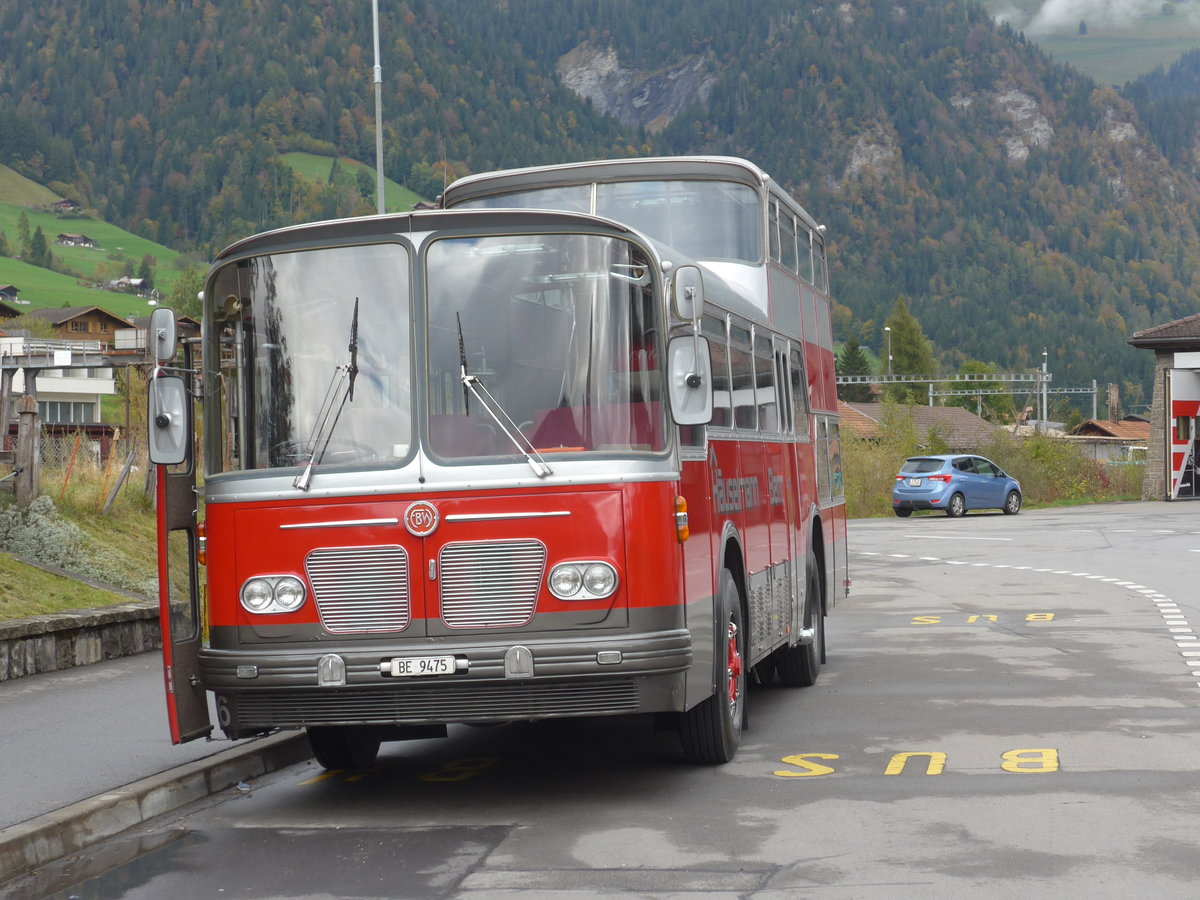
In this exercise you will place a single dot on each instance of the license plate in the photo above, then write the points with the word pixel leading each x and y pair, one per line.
pixel 914 482
pixel 410 666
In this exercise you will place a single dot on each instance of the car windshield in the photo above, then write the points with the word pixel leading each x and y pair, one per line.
pixel 920 466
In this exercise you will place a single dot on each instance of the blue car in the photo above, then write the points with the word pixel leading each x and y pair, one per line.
pixel 954 482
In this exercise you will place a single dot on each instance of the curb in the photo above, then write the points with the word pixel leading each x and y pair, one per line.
pixel 45 839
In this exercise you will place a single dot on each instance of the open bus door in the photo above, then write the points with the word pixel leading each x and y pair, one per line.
pixel 170 439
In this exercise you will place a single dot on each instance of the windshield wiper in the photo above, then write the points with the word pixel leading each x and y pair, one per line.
pixel 501 417
pixel 326 426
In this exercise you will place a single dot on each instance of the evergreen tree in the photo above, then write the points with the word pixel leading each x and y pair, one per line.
pixel 912 352
pixel 39 250
pixel 852 361
pixel 146 271
pixel 23 234
pixel 185 293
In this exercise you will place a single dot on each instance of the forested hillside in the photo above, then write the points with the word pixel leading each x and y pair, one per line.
pixel 1012 202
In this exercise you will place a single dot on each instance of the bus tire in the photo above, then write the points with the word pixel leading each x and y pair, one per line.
pixel 711 730
pixel 343 746
pixel 800 666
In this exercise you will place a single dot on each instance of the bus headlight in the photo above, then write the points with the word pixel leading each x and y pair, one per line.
pixel 599 580
pixel 582 580
pixel 273 594
pixel 256 594
pixel 289 593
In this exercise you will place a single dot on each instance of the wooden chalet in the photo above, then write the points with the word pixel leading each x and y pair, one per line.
pixel 87 323
pixel 74 240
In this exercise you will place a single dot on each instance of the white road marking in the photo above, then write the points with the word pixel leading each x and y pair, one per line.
pixel 1178 626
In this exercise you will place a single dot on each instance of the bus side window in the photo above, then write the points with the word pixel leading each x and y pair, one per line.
pixel 764 384
pixel 804 249
pixel 799 384
pixel 787 242
pixel 741 369
pixel 821 275
pixel 714 329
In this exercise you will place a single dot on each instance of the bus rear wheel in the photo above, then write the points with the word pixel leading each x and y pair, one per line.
pixel 711 730
pixel 343 746
pixel 800 666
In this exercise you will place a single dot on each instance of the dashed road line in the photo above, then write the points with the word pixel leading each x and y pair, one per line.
pixel 1178 628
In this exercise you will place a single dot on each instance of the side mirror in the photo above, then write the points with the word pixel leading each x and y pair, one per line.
pixel 169 408
pixel 161 338
pixel 691 380
pixel 687 293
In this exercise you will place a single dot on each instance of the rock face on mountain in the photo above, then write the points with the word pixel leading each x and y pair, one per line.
pixel 647 99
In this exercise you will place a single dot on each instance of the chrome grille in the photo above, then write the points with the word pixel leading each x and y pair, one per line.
pixel 360 590
pixel 490 585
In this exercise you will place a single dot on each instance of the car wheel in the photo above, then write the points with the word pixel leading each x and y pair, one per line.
pixel 957 507
pixel 1012 503
pixel 343 746
pixel 903 513
pixel 711 731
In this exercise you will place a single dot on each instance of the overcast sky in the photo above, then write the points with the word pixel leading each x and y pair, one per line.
pixel 1064 16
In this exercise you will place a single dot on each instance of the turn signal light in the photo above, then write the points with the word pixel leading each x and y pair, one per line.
pixel 681 519
pixel 201 544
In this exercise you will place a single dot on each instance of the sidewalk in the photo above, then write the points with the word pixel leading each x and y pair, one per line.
pixel 87 753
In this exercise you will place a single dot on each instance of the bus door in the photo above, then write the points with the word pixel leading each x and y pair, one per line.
pixel 171 414
pixel 1183 389
pixel 770 365
pixel 746 491
pixel 802 486
pixel 179 605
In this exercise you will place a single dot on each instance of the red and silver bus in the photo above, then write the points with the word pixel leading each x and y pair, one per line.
pixel 479 465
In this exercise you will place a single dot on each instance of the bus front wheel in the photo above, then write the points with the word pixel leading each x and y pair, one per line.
pixel 711 730
pixel 342 746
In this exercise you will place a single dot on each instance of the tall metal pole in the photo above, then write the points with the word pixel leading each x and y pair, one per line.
pixel 888 332
pixel 1045 393
pixel 378 112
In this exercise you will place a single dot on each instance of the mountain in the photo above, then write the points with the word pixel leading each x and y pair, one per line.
pixel 1014 203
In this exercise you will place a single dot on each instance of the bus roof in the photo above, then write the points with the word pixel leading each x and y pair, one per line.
pixel 651 168
pixel 365 227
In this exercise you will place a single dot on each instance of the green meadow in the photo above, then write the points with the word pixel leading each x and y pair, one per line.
pixel 397 197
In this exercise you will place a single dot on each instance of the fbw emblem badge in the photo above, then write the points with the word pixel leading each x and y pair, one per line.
pixel 421 518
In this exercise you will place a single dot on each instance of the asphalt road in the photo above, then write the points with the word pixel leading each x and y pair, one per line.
pixel 1009 709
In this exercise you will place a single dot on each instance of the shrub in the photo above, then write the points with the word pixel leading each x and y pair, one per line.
pixel 1050 469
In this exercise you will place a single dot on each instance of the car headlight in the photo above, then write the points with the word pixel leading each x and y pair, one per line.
pixel 266 594
pixel 582 580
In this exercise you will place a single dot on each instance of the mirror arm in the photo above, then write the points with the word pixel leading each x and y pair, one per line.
pixel 693 379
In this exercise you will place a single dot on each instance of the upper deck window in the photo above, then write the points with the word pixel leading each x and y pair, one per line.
pixel 702 219
pixel 705 220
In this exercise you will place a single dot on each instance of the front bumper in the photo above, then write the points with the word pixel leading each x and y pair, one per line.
pixel 260 690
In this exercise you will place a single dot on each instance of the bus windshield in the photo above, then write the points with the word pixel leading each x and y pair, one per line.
pixel 562 334
pixel 534 342
pixel 706 220
pixel 313 353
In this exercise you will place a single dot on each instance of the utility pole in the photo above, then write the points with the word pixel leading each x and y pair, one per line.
pixel 378 113
pixel 1045 394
